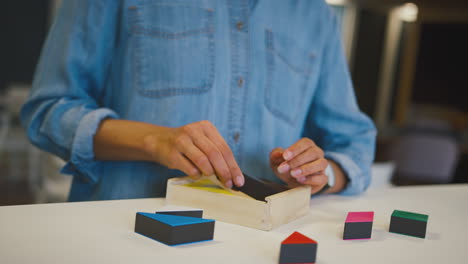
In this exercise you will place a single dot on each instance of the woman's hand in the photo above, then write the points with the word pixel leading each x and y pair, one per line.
pixel 304 163
pixel 196 149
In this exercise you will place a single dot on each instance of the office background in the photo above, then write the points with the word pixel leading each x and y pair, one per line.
pixel 408 63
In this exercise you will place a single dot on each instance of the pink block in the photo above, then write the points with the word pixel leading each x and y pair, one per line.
pixel 360 217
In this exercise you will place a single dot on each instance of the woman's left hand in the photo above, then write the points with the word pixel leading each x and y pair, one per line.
pixel 302 163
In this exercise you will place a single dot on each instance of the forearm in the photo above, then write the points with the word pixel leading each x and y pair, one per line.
pixel 123 140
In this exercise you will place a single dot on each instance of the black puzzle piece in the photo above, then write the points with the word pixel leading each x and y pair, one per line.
pixel 260 189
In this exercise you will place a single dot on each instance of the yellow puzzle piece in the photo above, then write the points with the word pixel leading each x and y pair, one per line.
pixel 208 185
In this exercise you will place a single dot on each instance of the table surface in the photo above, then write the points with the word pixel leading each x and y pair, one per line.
pixel 102 232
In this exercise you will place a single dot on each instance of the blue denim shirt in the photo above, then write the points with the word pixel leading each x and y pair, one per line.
pixel 265 73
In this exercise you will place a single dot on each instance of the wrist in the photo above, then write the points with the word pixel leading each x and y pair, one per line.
pixel 340 179
pixel 124 140
pixel 152 143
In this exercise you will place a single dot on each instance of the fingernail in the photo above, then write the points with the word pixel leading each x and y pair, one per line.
pixel 240 180
pixel 296 172
pixel 283 168
pixel 287 155
pixel 229 184
pixel 194 172
pixel 301 179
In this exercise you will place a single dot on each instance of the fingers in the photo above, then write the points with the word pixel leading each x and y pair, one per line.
pixel 276 157
pixel 316 181
pixel 310 168
pixel 302 152
pixel 312 174
pixel 235 172
pixel 206 149
pixel 303 163
pixel 187 167
pixel 196 156
pixel 215 157
pixel 307 156
pixel 297 148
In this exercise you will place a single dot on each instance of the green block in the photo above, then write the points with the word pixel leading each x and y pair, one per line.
pixel 409 215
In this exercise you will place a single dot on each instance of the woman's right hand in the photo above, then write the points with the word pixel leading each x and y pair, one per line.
pixel 196 149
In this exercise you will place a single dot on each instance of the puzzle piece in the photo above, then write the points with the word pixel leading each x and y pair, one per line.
pixel 173 229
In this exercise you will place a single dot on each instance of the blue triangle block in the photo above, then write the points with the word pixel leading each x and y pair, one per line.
pixel 175 220
pixel 174 229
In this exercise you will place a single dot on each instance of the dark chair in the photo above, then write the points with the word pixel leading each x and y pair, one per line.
pixel 425 154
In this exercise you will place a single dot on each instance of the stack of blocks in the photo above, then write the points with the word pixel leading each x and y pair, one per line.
pixel 358 225
pixel 175 227
pixel 298 248
pixel 407 223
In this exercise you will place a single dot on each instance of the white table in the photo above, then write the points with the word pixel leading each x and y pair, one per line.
pixel 102 232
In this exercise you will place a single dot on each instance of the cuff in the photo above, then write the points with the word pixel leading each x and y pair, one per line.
pixel 358 180
pixel 82 160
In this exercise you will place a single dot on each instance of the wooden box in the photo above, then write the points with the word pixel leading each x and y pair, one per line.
pixel 279 209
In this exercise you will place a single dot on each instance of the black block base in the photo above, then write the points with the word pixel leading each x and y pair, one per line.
pixel 408 227
pixel 298 253
pixel 357 230
pixel 173 235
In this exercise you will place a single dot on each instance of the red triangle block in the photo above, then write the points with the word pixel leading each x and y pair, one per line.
pixel 298 238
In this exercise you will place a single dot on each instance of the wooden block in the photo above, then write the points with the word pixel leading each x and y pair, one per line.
pixel 358 225
pixel 407 223
pixel 298 248
pixel 172 229
pixel 276 210
pixel 189 213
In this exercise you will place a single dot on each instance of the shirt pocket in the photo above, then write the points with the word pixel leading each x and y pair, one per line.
pixel 173 49
pixel 288 71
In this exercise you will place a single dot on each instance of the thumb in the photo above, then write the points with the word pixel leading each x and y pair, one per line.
pixel 276 156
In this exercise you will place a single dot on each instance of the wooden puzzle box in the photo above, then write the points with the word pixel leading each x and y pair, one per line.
pixel 276 210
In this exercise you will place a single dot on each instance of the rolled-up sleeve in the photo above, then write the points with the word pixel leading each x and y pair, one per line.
pixel 335 122
pixel 64 111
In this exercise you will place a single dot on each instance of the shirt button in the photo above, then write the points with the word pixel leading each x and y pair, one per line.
pixel 240 81
pixel 240 25
pixel 236 137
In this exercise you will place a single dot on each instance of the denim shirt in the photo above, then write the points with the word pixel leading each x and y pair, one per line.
pixel 264 72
